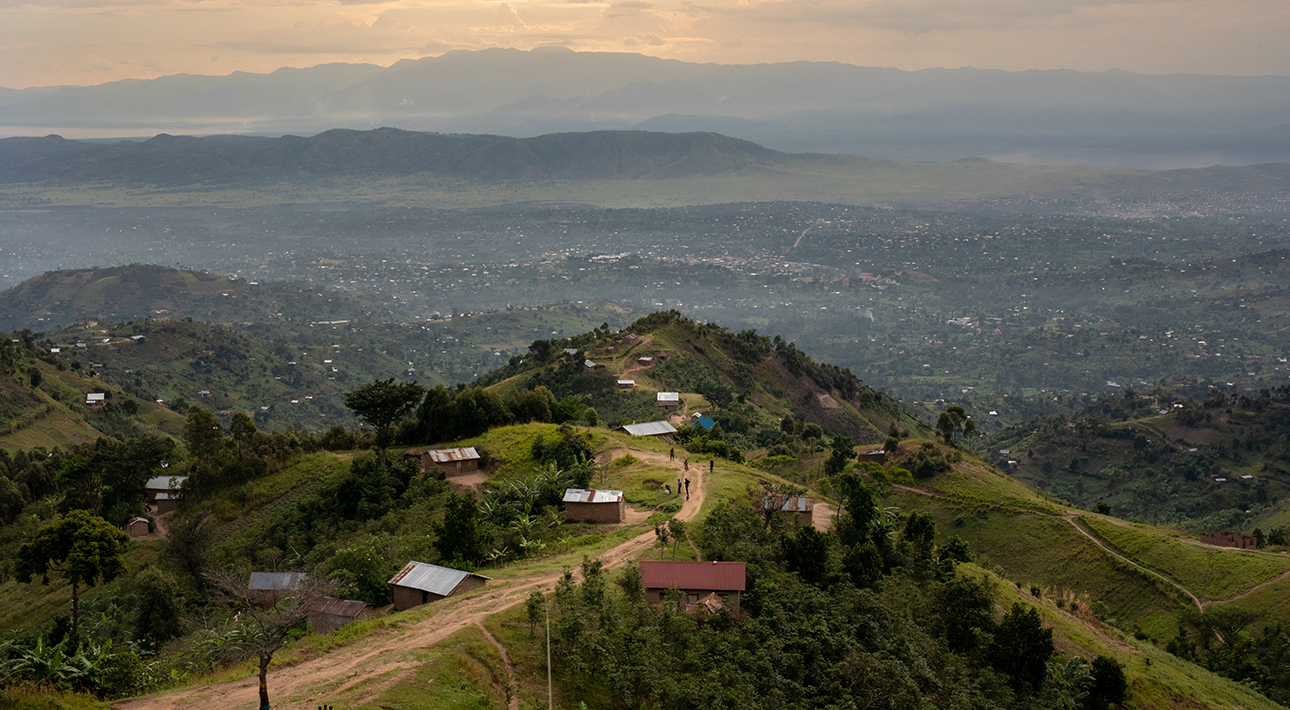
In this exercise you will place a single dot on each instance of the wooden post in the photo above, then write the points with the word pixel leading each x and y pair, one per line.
pixel 550 702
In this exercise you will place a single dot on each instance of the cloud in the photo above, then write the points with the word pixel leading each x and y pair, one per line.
pixel 340 38
pixel 506 16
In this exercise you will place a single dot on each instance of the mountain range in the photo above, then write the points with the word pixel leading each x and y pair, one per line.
pixel 1055 117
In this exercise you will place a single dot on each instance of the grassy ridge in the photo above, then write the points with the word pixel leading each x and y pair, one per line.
pixel 1208 573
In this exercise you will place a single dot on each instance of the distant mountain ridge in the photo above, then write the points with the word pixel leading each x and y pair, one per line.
pixel 186 160
pixel 1115 117
pixel 681 168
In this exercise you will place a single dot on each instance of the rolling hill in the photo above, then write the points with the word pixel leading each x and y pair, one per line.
pixel 1104 586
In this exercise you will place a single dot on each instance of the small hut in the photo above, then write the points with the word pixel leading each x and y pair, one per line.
pixel 453 462
pixel 661 429
pixel 798 510
pixel 668 400
pixel 329 613
pixel 137 527
pixel 421 583
pixel 162 493
pixel 594 506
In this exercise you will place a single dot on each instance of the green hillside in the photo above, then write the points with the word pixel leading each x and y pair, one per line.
pixel 143 291
pixel 43 402
pixel 1215 464
pixel 906 587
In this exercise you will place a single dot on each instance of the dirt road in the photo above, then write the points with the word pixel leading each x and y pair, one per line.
pixel 378 661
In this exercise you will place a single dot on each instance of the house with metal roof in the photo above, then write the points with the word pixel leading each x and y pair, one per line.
pixel 799 510
pixel 696 582
pixel 594 506
pixel 669 400
pixel 137 527
pixel 162 493
pixel 95 399
pixel 421 583
pixel 329 613
pixel 453 462
pixel 662 429
pixel 626 384
pixel 269 587
pixel 876 456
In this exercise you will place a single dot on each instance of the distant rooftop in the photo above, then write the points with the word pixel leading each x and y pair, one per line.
pixel 649 428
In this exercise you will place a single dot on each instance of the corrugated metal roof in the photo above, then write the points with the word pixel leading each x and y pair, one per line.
pixel 579 495
pixel 669 396
pixel 162 483
pixel 450 455
pixel 649 428
pixel 789 504
pixel 712 576
pixel 627 382
pixel 274 581
pixel 430 578
pixel 347 608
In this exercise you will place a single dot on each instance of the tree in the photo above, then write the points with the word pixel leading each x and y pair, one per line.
pixel 84 549
pixel 203 434
pixel 256 631
pixel 533 609
pixel 807 553
pixel 459 537
pixel 1109 684
pixel 676 529
pixel 953 423
pixel 1021 648
pixel 662 537
pixel 382 403
pixel 842 451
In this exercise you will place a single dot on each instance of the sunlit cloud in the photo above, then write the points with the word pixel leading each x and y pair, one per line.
pixel 89 41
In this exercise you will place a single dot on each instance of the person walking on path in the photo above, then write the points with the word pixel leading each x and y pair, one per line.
pixel 678 485
pixel 687 488
pixel 711 463
pixel 671 454
pixel 687 464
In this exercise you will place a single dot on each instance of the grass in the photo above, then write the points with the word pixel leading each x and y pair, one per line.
pixel 1205 572
pixel 1028 548
pixel 1159 681
pixel 33 698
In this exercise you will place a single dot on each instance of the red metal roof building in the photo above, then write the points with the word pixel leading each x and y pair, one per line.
pixel 695 580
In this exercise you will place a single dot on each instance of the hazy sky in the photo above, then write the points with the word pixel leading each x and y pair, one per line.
pixel 51 42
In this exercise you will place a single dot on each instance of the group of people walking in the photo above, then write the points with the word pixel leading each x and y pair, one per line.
pixel 671 456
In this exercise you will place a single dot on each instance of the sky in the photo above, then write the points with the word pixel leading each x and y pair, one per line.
pixel 86 42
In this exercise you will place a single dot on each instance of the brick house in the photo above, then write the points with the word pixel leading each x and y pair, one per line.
pixel 697 582
pixel 421 583
pixel 453 462
pixel 594 506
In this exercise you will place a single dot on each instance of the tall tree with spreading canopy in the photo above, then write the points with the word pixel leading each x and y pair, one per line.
pixel 953 423
pixel 383 403
pixel 82 548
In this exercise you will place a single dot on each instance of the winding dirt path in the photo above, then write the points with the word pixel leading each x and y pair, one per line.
pixel 1097 541
pixel 1249 591
pixel 379 660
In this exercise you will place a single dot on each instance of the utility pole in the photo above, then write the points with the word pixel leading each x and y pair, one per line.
pixel 550 702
